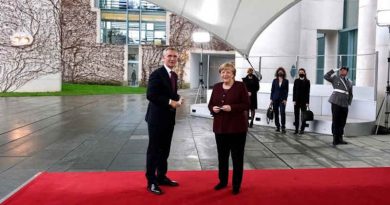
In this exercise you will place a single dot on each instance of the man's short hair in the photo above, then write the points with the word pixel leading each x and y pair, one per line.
pixel 169 49
pixel 345 68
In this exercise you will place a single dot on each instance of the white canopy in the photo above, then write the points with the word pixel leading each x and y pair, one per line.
pixel 237 22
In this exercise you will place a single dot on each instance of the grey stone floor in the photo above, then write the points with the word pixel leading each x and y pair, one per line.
pixel 108 133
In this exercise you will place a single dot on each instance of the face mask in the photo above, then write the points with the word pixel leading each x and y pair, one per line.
pixel 301 75
pixel 280 74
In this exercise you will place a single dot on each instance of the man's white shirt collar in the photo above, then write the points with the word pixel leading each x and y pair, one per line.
pixel 168 70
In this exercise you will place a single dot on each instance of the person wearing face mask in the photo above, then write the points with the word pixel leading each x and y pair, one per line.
pixel 340 99
pixel 252 85
pixel 301 93
pixel 279 94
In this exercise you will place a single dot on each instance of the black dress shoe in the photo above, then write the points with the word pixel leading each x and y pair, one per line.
pixel 220 186
pixel 167 182
pixel 296 132
pixel 301 132
pixel 343 142
pixel 154 189
pixel 236 191
pixel 277 129
pixel 283 130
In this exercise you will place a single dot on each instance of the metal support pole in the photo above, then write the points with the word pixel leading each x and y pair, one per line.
pixel 376 77
pixel 208 74
pixel 140 23
pixel 127 22
pixel 260 65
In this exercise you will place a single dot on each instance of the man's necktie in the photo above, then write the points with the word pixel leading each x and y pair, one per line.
pixel 173 81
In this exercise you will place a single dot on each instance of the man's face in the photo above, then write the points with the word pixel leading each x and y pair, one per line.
pixel 170 58
pixel 343 72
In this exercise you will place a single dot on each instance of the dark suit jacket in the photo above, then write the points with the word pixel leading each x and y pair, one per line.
pixel 235 121
pixel 301 91
pixel 279 92
pixel 159 93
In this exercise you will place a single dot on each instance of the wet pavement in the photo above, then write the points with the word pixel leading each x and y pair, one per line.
pixel 108 133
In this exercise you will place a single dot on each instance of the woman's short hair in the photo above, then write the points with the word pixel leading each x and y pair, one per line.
pixel 227 66
pixel 302 69
pixel 280 69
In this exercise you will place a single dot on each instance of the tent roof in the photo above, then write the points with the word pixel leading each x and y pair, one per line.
pixel 237 22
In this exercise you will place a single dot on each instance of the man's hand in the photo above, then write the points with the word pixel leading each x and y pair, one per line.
pixel 249 93
pixel 284 102
pixel 336 69
pixel 174 104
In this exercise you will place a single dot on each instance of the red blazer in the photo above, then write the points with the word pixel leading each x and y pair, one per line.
pixel 235 121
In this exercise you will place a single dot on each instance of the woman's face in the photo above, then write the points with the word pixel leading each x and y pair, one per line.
pixel 227 75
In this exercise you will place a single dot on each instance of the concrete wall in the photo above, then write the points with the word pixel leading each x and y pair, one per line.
pixel 293 34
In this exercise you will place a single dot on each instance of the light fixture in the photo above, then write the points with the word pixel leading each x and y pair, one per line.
pixel 201 37
pixel 383 17
pixel 21 39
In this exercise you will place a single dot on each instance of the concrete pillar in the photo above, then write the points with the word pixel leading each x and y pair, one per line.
pixel 383 48
pixel 331 47
pixel 365 62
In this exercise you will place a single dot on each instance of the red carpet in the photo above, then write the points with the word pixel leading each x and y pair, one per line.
pixel 301 186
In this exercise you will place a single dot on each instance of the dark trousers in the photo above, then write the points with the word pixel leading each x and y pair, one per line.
pixel 298 109
pixel 339 118
pixel 278 104
pixel 234 143
pixel 160 138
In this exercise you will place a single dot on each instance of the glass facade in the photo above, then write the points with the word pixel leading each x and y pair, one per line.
pixel 320 58
pixel 132 23
pixel 348 38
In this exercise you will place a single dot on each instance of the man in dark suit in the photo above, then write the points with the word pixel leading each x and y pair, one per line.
pixel 160 116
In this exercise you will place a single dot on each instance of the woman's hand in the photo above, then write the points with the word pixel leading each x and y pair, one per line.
pixel 216 109
pixel 284 102
pixel 226 108
pixel 249 93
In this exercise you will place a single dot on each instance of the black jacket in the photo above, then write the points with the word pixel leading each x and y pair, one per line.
pixel 301 91
pixel 279 92
pixel 159 93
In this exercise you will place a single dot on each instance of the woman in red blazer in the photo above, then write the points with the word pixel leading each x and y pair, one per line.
pixel 228 104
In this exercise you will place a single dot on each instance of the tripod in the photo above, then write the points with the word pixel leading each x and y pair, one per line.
pixel 201 88
pixel 385 100
pixel 200 92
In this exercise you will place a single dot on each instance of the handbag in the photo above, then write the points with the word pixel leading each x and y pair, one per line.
pixel 270 114
pixel 307 115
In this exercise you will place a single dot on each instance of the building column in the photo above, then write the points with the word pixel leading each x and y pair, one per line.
pixel 331 47
pixel 365 62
